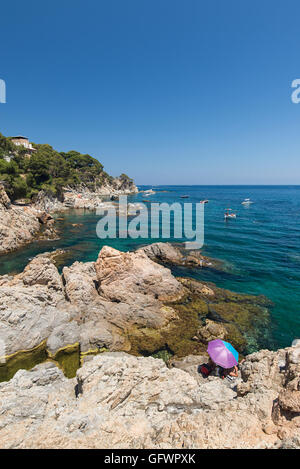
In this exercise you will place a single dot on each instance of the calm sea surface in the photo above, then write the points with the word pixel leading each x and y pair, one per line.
pixel 260 249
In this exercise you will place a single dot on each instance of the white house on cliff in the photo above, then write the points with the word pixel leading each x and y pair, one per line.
pixel 19 140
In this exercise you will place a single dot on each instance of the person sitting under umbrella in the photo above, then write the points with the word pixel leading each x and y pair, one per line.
pixel 223 359
pixel 233 372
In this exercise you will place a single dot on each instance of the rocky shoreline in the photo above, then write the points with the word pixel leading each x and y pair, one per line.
pixel 84 198
pixel 22 223
pixel 78 349
pixel 122 302
pixel 86 336
pixel 120 401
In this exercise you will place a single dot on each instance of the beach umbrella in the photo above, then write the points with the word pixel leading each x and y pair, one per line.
pixel 222 353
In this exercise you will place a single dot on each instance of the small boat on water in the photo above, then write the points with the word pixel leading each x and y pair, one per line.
pixel 148 192
pixel 247 202
pixel 184 196
pixel 203 201
pixel 228 214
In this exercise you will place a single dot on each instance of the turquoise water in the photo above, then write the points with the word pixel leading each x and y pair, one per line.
pixel 261 248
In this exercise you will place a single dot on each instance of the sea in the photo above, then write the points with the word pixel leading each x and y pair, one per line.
pixel 259 249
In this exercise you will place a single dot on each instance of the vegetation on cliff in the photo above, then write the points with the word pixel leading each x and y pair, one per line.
pixel 48 170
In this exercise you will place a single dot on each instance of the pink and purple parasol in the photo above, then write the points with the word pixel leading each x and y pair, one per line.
pixel 222 353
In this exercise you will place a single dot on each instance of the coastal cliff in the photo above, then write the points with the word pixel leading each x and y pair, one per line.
pixel 47 181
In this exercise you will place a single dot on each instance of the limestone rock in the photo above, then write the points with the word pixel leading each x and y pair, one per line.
pixel 31 305
pixel 89 305
pixel 104 303
pixel 168 253
pixel 63 335
pixel 290 442
pixel 290 400
pixel 190 364
pixel 198 288
pixel 124 301
pixel 100 334
pixel 4 199
pixel 18 225
pixel 211 331
pixel 124 276
pixel 28 315
pixel 121 401
pixel 164 252
pixel 80 280
pixel 42 271
pixel 261 370
pixel 45 218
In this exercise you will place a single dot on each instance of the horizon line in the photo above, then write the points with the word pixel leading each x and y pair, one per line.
pixel 220 185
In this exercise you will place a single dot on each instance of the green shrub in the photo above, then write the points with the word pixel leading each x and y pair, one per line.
pixel 47 169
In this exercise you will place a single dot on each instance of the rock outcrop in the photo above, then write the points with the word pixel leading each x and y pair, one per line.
pixel 31 305
pixel 123 301
pixel 4 199
pixel 167 253
pixel 126 276
pixel 92 304
pixel 84 198
pixel 18 225
pixel 21 224
pixel 121 401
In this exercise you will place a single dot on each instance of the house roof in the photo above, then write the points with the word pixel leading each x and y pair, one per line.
pixel 20 136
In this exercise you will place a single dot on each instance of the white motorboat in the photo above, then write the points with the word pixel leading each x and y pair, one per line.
pixel 247 202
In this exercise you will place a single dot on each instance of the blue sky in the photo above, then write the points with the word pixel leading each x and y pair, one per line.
pixel 168 91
